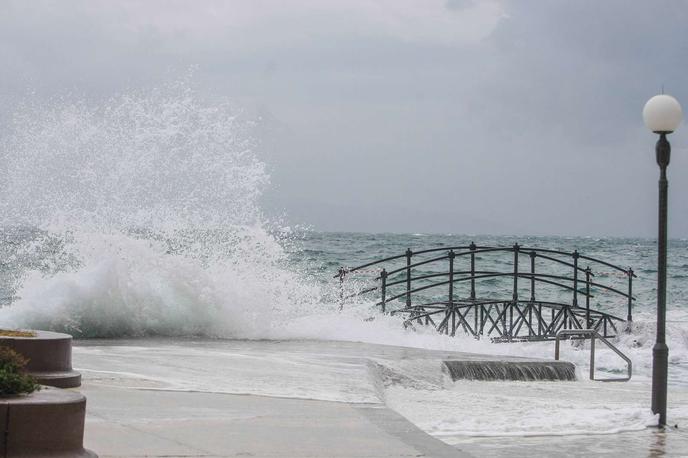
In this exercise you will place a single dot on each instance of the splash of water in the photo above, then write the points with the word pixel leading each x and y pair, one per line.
pixel 141 217
pixel 155 160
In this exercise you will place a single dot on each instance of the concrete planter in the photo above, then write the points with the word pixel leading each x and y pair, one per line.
pixel 50 357
pixel 45 424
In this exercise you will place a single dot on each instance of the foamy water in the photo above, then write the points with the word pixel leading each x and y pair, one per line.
pixel 410 381
pixel 140 217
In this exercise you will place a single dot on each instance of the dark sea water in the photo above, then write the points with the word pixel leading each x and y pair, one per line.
pixel 144 218
pixel 320 254
pixel 204 263
pixel 317 256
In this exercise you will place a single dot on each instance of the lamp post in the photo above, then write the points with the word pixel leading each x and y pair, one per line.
pixel 662 115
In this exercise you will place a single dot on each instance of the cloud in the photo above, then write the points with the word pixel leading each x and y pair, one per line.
pixel 234 23
pixel 430 103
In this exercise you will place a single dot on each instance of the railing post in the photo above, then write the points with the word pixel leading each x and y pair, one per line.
pixel 575 278
pixel 409 253
pixel 516 249
pixel 540 320
pixel 592 356
pixel 532 294
pixel 383 288
pixel 629 318
pixel 475 321
pixel 604 326
pixel 588 273
pixel 451 255
pixel 556 347
pixel 515 296
pixel 342 273
pixel 533 255
pixel 472 248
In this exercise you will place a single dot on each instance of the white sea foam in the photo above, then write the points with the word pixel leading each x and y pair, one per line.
pixel 150 225
pixel 410 381
pixel 148 208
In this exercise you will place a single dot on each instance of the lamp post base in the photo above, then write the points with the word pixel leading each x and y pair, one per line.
pixel 660 360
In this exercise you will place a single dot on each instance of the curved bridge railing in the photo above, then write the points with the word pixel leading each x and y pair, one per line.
pixel 529 294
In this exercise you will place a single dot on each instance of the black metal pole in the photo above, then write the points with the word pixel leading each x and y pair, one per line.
pixel 515 296
pixel 629 316
pixel 516 250
pixel 532 276
pixel 660 352
pixel 588 273
pixel 342 273
pixel 472 248
pixel 383 289
pixel 409 253
pixel 575 278
pixel 450 304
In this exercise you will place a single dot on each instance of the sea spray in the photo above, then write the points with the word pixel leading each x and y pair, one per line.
pixel 139 217
pixel 156 160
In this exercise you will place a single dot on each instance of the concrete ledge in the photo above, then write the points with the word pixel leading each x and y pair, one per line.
pixel 45 424
pixel 396 425
pixel 68 379
pixel 511 370
pixel 50 357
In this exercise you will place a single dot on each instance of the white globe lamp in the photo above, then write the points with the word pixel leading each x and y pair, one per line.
pixel 662 114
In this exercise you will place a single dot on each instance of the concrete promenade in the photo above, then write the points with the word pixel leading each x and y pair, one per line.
pixel 184 398
pixel 215 398
pixel 125 422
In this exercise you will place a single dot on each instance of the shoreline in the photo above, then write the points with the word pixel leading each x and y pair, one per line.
pixel 161 397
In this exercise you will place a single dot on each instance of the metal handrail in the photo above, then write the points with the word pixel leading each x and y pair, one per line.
pixel 400 284
pixel 480 274
pixel 466 250
pixel 594 335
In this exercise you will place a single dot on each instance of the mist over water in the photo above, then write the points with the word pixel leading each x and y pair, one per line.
pixel 160 159
pixel 140 217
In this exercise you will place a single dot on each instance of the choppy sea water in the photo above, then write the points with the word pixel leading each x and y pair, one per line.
pixel 142 286
pixel 143 283
pixel 141 218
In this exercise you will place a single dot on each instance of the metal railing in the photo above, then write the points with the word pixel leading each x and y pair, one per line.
pixel 409 283
pixel 593 334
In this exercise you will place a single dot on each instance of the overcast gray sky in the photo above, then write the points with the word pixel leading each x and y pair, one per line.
pixel 461 116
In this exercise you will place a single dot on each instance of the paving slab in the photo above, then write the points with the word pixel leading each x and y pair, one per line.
pixel 125 422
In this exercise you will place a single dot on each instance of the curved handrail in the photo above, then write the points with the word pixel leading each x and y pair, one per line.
pixel 399 285
pixel 475 249
pixel 363 266
pixel 489 274
pixel 626 271
pixel 411 266
pixel 481 275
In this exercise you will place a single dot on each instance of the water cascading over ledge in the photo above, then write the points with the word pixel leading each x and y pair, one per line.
pixel 511 370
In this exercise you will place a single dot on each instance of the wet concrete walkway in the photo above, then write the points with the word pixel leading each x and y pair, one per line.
pixel 125 422
pixel 185 398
